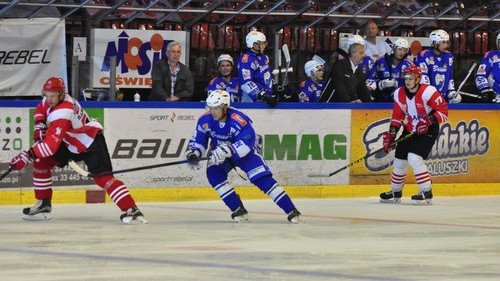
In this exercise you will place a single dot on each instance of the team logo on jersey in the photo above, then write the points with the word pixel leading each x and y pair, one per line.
pixel 204 126
pixel 495 58
pixel 246 74
pixel 238 119
pixel 481 70
pixel 244 58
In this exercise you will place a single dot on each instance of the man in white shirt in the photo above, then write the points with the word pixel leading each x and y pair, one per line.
pixel 373 48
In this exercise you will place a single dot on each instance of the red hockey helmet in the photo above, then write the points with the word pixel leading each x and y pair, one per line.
pixel 413 70
pixel 54 84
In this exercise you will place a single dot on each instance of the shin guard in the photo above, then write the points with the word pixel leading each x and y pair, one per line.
pixel 117 191
pixel 270 187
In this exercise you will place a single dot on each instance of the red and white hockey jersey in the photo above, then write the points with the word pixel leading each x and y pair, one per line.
pixel 67 122
pixel 427 99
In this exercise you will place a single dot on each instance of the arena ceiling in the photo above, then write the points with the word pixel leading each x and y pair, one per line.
pixel 475 15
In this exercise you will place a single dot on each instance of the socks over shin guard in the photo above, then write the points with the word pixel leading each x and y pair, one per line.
pixel 270 187
pixel 228 195
pixel 117 191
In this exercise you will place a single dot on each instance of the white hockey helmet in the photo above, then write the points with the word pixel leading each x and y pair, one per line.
pixel 438 36
pixel 255 37
pixel 355 39
pixel 218 98
pixel 225 57
pixel 401 43
pixel 311 66
pixel 498 40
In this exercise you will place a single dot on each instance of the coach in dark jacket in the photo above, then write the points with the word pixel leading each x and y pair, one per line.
pixel 171 80
pixel 348 83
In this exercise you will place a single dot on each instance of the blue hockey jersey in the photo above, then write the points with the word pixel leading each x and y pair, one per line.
pixel 237 131
pixel 488 73
pixel 232 87
pixel 254 74
pixel 385 70
pixel 437 70
pixel 310 91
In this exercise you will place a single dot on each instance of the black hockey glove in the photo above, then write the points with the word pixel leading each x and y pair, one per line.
pixel 272 100
pixel 488 95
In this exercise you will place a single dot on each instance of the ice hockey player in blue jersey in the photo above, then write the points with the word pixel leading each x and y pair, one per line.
pixel 254 74
pixel 389 70
pixel 436 65
pixel 224 81
pixel 310 90
pixel 233 143
pixel 488 75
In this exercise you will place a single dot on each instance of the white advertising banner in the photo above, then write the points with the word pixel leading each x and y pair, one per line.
pixel 31 51
pixel 292 149
pixel 135 52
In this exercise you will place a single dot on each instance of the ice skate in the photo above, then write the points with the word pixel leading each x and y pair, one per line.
pixel 391 197
pixel 423 198
pixel 295 216
pixel 40 211
pixel 240 214
pixel 133 216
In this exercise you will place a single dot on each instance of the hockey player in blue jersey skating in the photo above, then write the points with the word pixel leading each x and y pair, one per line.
pixel 389 70
pixel 234 144
pixel 224 81
pixel 488 75
pixel 310 90
pixel 436 65
pixel 254 74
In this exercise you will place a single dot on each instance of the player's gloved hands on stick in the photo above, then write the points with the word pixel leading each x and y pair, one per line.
pixel 423 125
pixel 454 97
pixel 20 161
pixel 488 95
pixel 193 156
pixel 388 141
pixel 39 131
pixel 220 154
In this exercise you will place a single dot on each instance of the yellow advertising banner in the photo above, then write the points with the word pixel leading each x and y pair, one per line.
pixel 466 151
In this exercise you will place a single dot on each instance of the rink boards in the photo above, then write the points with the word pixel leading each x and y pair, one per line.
pixel 298 140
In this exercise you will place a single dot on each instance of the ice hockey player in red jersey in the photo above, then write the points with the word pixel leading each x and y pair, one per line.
pixel 64 131
pixel 424 108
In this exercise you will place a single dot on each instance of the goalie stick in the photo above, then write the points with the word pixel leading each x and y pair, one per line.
pixel 84 173
pixel 360 159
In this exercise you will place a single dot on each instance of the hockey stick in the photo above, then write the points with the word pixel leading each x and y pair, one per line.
pixel 465 79
pixel 82 172
pixel 360 159
pixel 6 173
pixel 288 60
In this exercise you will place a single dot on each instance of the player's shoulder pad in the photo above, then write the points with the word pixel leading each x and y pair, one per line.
pixel 487 54
pixel 238 117
pixel 303 83
pixel 423 53
pixel 212 81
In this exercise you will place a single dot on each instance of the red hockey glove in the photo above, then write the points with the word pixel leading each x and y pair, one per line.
pixel 20 161
pixel 388 141
pixel 423 125
pixel 39 131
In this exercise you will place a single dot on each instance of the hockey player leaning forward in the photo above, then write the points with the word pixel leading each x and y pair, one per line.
pixel 71 134
pixel 233 143
pixel 436 65
pixel 424 108
pixel 254 75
